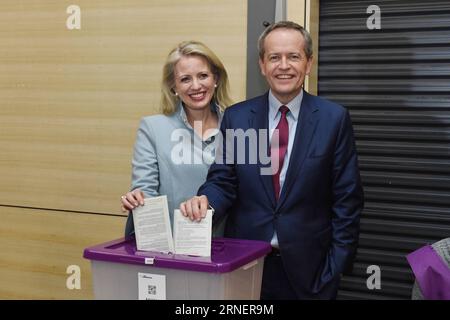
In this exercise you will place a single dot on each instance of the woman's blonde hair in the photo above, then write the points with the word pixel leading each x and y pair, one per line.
pixel 169 100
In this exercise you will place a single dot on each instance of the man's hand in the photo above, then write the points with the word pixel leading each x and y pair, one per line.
pixel 195 208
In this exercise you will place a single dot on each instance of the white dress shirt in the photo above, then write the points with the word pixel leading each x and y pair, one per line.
pixel 292 118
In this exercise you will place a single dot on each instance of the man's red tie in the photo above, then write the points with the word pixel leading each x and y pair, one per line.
pixel 283 135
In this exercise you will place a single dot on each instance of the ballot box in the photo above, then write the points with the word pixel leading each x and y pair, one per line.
pixel 234 271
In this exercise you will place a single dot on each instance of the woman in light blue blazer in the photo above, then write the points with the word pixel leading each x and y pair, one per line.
pixel 174 150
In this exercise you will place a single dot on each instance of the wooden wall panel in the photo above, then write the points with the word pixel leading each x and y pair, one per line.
pixel 70 104
pixel 37 246
pixel 71 100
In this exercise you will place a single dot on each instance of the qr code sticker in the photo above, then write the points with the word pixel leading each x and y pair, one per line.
pixel 152 290
pixel 151 286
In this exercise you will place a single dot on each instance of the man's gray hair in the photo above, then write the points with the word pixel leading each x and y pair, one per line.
pixel 286 25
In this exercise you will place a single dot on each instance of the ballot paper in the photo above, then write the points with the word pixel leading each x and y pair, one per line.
pixel 152 225
pixel 192 237
pixel 153 231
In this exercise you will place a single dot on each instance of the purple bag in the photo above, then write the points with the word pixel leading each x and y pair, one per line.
pixel 432 274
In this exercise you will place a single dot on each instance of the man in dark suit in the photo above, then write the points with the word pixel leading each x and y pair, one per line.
pixel 308 207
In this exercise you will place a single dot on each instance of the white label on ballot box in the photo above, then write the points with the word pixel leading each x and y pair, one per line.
pixel 151 286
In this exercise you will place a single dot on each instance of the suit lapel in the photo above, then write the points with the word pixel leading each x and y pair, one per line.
pixel 260 120
pixel 306 125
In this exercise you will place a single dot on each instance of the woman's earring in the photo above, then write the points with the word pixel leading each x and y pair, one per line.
pixel 176 93
pixel 215 85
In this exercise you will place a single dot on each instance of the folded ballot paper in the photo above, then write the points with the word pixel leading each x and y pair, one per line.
pixel 154 233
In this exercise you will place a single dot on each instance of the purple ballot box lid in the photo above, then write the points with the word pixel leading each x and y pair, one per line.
pixel 226 255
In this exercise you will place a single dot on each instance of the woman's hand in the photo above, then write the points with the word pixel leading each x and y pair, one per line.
pixel 131 200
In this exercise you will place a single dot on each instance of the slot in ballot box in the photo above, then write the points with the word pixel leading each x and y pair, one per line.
pixel 234 271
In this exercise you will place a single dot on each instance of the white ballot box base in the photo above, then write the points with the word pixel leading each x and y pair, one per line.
pixel 234 271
